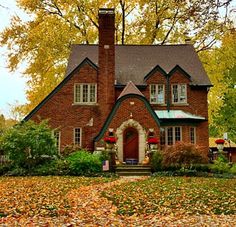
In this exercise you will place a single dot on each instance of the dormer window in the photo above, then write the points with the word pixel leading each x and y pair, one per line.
pixel 179 93
pixel 157 93
pixel 85 93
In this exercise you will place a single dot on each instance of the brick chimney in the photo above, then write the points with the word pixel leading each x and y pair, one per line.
pixel 106 57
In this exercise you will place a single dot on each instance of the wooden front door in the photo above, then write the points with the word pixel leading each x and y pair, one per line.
pixel 130 144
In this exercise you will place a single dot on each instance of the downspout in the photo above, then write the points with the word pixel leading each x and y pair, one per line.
pixel 168 92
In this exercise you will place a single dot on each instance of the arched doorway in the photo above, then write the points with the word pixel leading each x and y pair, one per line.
pixel 130 144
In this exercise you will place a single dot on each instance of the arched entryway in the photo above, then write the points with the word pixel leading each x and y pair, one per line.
pixel 130 144
pixel 131 123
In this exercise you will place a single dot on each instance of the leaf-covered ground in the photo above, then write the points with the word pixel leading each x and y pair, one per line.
pixel 180 195
pixel 76 201
pixel 39 196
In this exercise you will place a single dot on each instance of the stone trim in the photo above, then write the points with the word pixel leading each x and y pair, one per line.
pixel 141 135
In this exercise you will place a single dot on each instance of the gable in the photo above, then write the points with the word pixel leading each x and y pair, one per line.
pixel 116 108
pixel 86 61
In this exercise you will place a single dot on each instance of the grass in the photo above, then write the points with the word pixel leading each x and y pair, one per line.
pixel 175 195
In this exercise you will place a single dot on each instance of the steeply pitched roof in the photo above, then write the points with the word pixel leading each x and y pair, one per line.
pixel 130 88
pixel 134 62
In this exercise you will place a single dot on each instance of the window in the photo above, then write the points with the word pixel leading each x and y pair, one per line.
pixel 157 93
pixel 179 93
pixel 192 132
pixel 170 135
pixel 57 136
pixel 77 136
pixel 85 93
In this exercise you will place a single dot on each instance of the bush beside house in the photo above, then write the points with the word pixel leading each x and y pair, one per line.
pixel 31 149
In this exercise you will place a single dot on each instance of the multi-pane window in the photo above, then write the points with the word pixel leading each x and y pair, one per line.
pixel 179 93
pixel 57 136
pixel 85 93
pixel 157 93
pixel 170 135
pixel 162 136
pixel 77 136
pixel 192 132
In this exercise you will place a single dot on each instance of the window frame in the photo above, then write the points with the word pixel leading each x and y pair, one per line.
pixel 194 135
pixel 179 89
pixel 156 93
pixel 74 136
pixel 82 93
pixel 166 135
pixel 58 142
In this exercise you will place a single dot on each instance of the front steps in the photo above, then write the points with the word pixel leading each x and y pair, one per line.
pixel 133 170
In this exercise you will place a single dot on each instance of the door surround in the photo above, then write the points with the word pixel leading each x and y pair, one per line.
pixel 141 138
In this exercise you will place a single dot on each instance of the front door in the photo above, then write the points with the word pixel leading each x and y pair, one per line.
pixel 130 144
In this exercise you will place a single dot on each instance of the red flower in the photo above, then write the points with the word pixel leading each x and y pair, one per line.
pixel 220 141
pixel 108 139
pixel 153 141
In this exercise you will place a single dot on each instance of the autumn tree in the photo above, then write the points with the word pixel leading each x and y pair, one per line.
pixel 220 64
pixel 44 40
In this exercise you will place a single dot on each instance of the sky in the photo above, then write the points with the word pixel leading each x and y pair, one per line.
pixel 13 84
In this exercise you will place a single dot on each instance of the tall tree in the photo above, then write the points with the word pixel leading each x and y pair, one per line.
pixel 222 96
pixel 44 41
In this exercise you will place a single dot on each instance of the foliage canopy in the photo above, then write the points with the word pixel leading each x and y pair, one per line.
pixel 44 40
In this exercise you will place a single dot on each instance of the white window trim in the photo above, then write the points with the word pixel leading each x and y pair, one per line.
pixel 81 93
pixel 178 89
pixel 80 142
pixel 173 134
pixel 195 135
pixel 156 85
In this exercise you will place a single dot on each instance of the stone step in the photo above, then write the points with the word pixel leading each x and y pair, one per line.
pixel 134 173
pixel 133 170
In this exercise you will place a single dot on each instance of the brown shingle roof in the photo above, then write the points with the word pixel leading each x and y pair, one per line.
pixel 130 88
pixel 134 62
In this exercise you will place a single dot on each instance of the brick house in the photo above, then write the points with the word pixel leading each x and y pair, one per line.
pixel 130 90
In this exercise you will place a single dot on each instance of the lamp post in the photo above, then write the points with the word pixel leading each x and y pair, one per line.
pixel 220 145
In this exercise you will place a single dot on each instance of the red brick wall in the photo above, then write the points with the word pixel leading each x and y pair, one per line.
pixel 157 78
pixel 196 104
pixel 65 115
pixel 139 114
pixel 106 62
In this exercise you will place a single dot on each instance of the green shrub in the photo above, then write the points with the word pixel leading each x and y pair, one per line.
pixel 201 167
pixel 29 144
pixel 156 161
pixel 84 163
pixel 17 171
pixel 4 168
pixel 183 154
pixel 233 169
pixel 69 149
pixel 220 165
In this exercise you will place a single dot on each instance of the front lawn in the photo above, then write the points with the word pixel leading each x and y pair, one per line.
pixel 41 196
pixel 79 201
pixel 175 195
